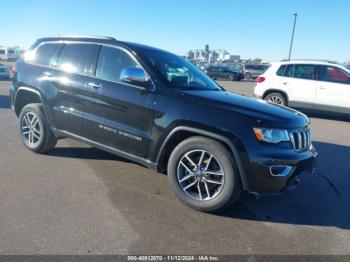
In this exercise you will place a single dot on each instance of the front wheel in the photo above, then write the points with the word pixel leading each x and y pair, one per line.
pixel 34 129
pixel 203 174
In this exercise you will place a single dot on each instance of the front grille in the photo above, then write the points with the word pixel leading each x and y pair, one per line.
pixel 301 139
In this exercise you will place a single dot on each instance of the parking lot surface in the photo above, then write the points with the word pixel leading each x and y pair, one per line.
pixel 80 200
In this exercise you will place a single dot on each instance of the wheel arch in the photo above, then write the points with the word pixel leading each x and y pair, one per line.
pixel 25 96
pixel 180 133
pixel 28 95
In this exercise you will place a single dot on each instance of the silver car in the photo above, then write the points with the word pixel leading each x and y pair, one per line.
pixel 254 70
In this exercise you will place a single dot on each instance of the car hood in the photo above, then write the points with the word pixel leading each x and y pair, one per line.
pixel 269 115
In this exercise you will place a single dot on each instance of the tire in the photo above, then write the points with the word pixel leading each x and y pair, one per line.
pixel 221 195
pixel 231 78
pixel 34 130
pixel 247 75
pixel 276 98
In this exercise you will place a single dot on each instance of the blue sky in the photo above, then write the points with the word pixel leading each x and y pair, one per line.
pixel 253 28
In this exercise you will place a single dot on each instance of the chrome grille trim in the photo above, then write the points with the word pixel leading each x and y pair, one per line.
pixel 301 139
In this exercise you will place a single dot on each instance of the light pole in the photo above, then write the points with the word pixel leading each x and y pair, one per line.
pixel 291 41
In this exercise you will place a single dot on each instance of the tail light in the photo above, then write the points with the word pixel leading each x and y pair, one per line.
pixel 260 79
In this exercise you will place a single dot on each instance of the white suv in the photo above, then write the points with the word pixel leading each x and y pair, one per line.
pixel 306 84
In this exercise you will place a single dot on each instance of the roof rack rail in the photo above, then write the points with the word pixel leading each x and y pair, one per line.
pixel 318 60
pixel 87 36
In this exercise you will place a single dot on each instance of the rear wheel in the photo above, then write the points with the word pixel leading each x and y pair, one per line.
pixel 276 98
pixel 231 77
pixel 34 129
pixel 247 75
pixel 203 174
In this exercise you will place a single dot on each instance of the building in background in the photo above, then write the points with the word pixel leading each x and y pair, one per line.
pixel 215 56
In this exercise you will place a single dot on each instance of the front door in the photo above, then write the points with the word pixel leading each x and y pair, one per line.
pixel 126 111
pixel 333 90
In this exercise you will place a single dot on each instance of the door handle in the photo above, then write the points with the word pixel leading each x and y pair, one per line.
pixel 48 74
pixel 285 83
pixel 94 85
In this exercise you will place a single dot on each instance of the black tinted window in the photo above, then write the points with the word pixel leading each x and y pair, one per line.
pixel 2 52
pixel 304 71
pixel 45 53
pixel 76 58
pixel 289 71
pixel 280 71
pixel 111 63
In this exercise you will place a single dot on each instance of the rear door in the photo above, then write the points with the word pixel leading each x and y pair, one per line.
pixel 299 82
pixel 333 90
pixel 125 111
pixel 67 93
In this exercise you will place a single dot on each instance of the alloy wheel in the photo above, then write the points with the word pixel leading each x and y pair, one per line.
pixel 31 128
pixel 275 100
pixel 200 175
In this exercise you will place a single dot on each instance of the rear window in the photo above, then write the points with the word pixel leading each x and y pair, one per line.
pixel 76 58
pixel 280 71
pixel 2 52
pixel 304 71
pixel 44 54
pixel 289 71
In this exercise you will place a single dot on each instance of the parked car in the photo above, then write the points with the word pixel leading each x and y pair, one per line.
pixel 316 85
pixel 251 71
pixel 4 72
pixel 124 98
pixel 223 73
pixel 13 54
pixel 3 53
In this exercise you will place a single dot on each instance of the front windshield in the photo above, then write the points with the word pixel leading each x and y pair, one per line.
pixel 178 72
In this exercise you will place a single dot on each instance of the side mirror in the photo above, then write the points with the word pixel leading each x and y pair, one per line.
pixel 134 75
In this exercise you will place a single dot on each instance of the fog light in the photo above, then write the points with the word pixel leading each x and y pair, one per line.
pixel 280 170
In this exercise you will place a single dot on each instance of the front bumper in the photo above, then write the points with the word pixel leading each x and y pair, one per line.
pixel 263 181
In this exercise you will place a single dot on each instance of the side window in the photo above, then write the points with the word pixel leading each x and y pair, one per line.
pixel 289 71
pixel 280 71
pixel 336 75
pixel 44 54
pixel 111 62
pixel 76 58
pixel 304 71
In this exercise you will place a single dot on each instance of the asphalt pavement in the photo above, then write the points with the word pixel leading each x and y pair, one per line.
pixel 80 200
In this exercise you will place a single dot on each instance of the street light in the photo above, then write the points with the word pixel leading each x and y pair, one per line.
pixel 291 41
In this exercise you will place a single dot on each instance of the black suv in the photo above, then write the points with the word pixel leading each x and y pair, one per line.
pixel 223 73
pixel 157 109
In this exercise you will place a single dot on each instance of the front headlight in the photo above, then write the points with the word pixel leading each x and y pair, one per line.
pixel 270 135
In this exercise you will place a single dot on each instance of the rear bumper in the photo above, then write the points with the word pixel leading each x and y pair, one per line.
pixel 273 176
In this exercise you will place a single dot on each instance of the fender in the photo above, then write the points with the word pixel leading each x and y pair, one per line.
pixel 36 92
pixel 215 136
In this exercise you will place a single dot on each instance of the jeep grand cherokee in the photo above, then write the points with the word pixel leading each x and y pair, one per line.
pixel 157 109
